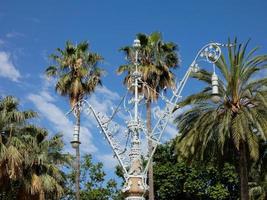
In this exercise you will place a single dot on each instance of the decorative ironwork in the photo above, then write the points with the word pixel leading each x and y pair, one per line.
pixel 129 154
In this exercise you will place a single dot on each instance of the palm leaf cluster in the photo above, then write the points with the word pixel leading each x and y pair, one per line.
pixel 235 126
pixel 29 162
pixel 77 71
pixel 241 115
pixel 156 59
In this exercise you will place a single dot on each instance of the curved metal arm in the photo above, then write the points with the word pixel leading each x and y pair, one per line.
pixel 211 52
pixel 104 127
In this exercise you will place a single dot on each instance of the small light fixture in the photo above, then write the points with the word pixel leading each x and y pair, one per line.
pixel 136 43
pixel 215 89
pixel 75 140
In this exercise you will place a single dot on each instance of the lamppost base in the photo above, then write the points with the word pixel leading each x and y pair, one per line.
pixel 135 198
pixel 135 188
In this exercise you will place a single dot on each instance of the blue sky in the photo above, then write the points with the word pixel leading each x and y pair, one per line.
pixel 31 30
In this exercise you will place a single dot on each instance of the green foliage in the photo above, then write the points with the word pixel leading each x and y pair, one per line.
pixel 179 180
pixel 218 192
pixel 94 184
pixel 258 175
pixel 156 59
pixel 76 70
pixel 29 161
pixel 234 127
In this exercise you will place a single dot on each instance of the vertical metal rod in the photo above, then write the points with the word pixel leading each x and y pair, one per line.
pixel 136 88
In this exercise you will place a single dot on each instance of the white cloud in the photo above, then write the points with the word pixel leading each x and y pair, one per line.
pixel 171 130
pixel 7 68
pixel 48 82
pixel 108 160
pixel 108 93
pixel 14 35
pixel 46 95
pixel 103 100
pixel 61 123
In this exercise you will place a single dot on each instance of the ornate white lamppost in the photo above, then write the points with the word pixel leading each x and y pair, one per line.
pixel 130 155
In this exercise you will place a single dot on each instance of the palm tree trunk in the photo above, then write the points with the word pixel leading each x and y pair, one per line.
pixel 78 173
pixel 243 172
pixel 77 178
pixel 150 148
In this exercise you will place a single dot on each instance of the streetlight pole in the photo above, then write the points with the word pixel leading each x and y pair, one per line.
pixel 130 157
pixel 135 187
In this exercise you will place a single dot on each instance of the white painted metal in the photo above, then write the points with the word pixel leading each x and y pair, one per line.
pixel 130 158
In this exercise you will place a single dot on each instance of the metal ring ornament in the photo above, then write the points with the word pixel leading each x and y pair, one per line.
pixel 210 52
pixel 77 108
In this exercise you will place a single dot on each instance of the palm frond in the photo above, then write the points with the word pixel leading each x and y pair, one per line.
pixel 240 116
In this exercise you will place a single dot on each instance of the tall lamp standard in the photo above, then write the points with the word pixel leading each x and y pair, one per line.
pixel 136 185
pixel 133 161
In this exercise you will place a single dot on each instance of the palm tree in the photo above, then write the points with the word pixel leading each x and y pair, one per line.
pixel 156 59
pixel 11 119
pixel 42 177
pixel 10 115
pixel 234 126
pixel 78 74
pixel 28 161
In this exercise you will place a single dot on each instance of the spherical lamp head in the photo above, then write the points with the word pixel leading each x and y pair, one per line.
pixel 75 144
pixel 215 98
pixel 136 43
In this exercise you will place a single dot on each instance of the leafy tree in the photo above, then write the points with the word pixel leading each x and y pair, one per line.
pixel 258 175
pixel 11 117
pixel 11 149
pixel 77 73
pixel 156 59
pixel 179 180
pixel 93 181
pixel 233 127
pixel 29 162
